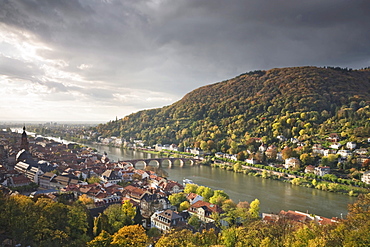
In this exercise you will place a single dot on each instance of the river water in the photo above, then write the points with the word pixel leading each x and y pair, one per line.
pixel 273 195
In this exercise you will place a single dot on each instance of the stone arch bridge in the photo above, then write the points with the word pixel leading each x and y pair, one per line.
pixel 159 161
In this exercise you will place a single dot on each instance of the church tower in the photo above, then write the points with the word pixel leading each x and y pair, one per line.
pixel 24 141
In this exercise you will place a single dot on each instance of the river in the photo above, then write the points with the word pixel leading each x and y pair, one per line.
pixel 273 195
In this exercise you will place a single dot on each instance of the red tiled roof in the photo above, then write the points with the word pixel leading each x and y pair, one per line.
pixel 21 179
pixel 211 207
pixel 294 216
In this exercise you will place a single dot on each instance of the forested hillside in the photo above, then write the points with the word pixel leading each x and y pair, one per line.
pixel 301 102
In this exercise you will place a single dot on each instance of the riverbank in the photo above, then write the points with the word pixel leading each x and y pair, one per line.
pixel 295 178
pixel 334 185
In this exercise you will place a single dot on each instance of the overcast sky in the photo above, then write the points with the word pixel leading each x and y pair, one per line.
pixel 98 59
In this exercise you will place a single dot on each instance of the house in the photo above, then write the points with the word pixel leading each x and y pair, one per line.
pixel 174 147
pixel 204 210
pixel 110 176
pixel 197 151
pixel 61 182
pixel 351 145
pixel 262 148
pixel 166 220
pixel 281 138
pixel 317 149
pixel 300 217
pixel 333 137
pixel 292 162
pixel 17 181
pixel 193 198
pixel 335 145
pixel 134 193
pixel 44 180
pixel 309 169
pixel 271 152
pixel 150 203
pixel 142 173
pixel 251 161
pixel 158 147
pixel 366 177
pixel 171 186
pixel 344 153
pixel 294 140
pixel 31 172
pixel 322 170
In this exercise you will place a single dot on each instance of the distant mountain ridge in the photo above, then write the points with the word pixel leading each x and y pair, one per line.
pixel 250 104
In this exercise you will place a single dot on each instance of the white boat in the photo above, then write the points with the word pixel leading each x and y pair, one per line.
pixel 187 181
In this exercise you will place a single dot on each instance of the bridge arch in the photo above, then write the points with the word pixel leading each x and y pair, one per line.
pixel 159 162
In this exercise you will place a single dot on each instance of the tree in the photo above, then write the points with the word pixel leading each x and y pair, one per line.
pixel 190 188
pixel 358 222
pixel 195 222
pixel 104 239
pixel 100 224
pixel 203 145
pixel 128 236
pixel 306 159
pixel 241 156
pixel 77 224
pixel 85 199
pixel 177 199
pixel 200 190
pixel 314 182
pixel 228 205
pixel 287 152
pixel 366 165
pixel 181 238
pixel 93 179
pixel 184 206
pixel 207 193
pixel 237 167
pixel 116 218
pixel 218 197
pixel 254 209
pixel 244 204
pixel 231 236
pixel 129 212
pixel 138 218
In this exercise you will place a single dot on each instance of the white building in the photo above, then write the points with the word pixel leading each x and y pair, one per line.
pixel 366 177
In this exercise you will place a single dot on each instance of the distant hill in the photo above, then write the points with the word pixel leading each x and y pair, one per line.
pixel 297 102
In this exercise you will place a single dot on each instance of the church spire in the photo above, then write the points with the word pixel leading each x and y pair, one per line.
pixel 24 140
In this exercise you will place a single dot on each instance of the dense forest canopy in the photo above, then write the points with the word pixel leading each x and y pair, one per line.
pixel 294 102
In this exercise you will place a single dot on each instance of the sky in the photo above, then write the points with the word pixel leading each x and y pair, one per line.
pixel 95 60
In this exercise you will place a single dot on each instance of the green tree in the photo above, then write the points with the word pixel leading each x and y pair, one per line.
pixel 129 212
pixel 237 167
pixel 93 180
pixel 254 209
pixel 190 188
pixel 184 206
pixel 207 193
pixel 195 222
pixel 177 199
pixel 117 218
pixel 219 196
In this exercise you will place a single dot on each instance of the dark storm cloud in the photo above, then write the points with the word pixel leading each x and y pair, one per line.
pixel 176 46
